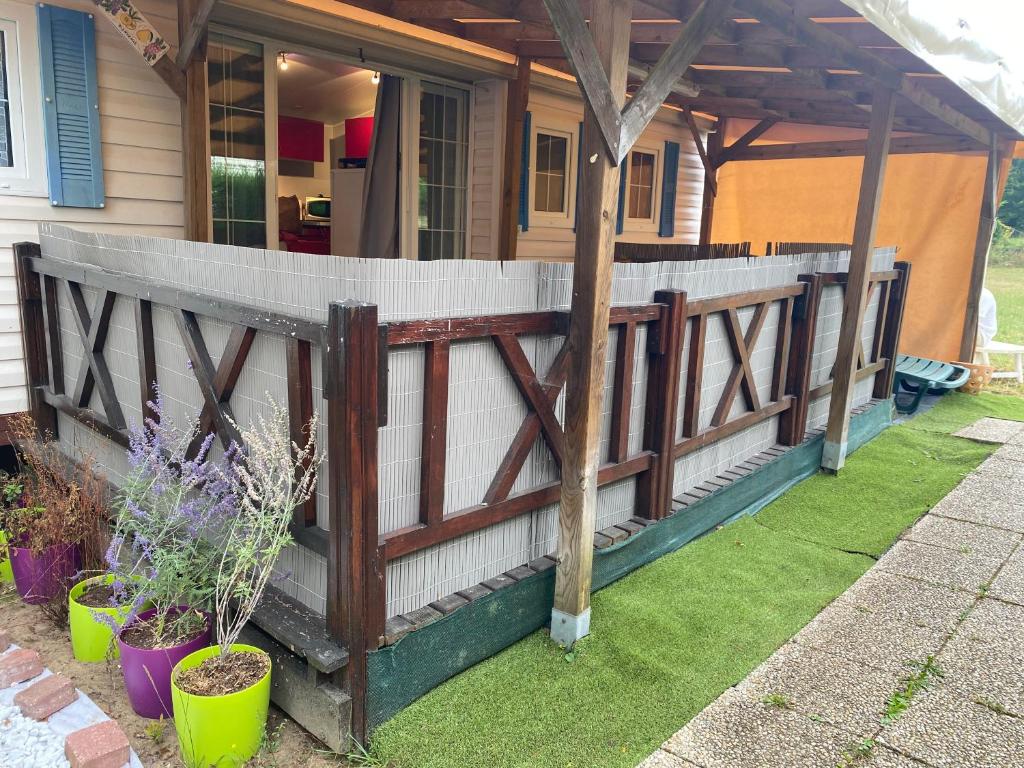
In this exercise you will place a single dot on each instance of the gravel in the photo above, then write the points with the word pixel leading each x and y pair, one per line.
pixel 27 743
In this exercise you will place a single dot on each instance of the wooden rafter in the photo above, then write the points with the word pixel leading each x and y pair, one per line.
pixel 195 33
pixel 745 140
pixel 848 54
pixel 853 148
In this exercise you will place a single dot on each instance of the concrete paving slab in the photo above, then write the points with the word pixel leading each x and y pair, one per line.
pixel 984 672
pixel 1009 583
pixel 736 732
pixel 938 565
pixel 947 729
pixel 891 597
pixel 996 623
pixel 869 640
pixel 818 684
pixel 663 759
pixel 1012 451
pixel 964 537
pixel 990 430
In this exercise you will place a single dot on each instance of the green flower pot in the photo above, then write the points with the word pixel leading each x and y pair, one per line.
pixel 6 574
pixel 224 731
pixel 92 637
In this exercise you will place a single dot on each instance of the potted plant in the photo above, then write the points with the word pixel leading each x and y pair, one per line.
pixel 11 490
pixel 221 694
pixel 162 560
pixel 55 526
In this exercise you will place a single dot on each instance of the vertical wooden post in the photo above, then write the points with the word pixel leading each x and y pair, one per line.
pixel 793 423
pixel 33 339
pixel 195 134
pixel 299 365
pixel 716 142
pixel 511 175
pixel 872 178
pixel 982 243
pixel 665 351
pixel 146 350
pixel 891 334
pixel 355 562
pixel 588 335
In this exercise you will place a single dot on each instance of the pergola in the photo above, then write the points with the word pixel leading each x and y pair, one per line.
pixel 819 62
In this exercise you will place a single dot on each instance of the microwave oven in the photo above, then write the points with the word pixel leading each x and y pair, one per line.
pixel 317 208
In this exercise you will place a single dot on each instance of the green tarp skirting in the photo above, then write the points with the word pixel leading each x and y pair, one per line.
pixel 422 660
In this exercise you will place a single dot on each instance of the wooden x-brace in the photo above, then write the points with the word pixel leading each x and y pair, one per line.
pixel 742 373
pixel 93 370
pixel 216 385
pixel 540 397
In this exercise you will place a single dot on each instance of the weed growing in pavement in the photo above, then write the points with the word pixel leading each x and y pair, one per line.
pixel 924 677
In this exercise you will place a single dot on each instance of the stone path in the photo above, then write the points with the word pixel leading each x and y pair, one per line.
pixel 920 663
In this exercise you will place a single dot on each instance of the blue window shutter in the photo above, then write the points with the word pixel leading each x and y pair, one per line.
pixel 524 176
pixel 669 176
pixel 579 174
pixel 620 219
pixel 67 51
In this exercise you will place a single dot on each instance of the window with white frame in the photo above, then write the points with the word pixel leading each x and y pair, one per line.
pixel 22 170
pixel 443 151
pixel 642 186
pixel 551 172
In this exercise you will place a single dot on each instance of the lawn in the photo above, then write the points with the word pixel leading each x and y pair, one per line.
pixel 670 637
pixel 1007 284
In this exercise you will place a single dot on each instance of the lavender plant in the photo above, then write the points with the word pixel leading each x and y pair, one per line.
pixel 270 479
pixel 172 508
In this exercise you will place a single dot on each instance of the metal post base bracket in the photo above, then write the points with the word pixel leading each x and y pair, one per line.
pixel 566 628
pixel 833 457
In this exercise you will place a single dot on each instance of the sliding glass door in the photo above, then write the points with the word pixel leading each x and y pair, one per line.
pixel 238 167
pixel 442 177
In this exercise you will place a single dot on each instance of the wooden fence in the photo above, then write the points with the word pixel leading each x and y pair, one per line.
pixel 354 348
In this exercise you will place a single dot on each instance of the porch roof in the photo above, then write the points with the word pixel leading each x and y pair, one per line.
pixel 797 61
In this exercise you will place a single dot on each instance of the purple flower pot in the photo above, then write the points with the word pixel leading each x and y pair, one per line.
pixel 147 673
pixel 40 578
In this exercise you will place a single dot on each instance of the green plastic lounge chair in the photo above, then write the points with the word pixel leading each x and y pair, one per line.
pixel 916 376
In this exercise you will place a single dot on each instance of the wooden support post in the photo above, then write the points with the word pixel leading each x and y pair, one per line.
pixel 299 365
pixel 355 561
pixel 982 243
pixel 665 346
pixel 793 423
pixel 891 334
pixel 871 181
pixel 716 141
pixel 511 175
pixel 195 130
pixel 33 339
pixel 588 334
pixel 146 350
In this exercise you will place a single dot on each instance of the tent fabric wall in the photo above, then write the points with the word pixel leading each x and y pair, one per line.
pixel 930 209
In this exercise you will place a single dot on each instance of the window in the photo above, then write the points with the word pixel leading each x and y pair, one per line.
pixel 443 148
pixel 22 162
pixel 6 150
pixel 640 186
pixel 551 173
pixel 238 172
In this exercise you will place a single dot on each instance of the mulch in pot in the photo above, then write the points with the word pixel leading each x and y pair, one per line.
pixel 224 674
pixel 96 596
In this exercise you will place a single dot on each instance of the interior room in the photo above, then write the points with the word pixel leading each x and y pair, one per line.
pixel 324 126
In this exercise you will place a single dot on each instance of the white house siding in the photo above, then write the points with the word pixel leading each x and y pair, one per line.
pixel 488 128
pixel 140 121
pixel 555 243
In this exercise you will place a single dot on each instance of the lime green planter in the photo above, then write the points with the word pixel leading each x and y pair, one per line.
pixel 6 574
pixel 92 637
pixel 224 731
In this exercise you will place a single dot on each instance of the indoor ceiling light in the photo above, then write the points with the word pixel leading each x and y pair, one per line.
pixel 375 78
pixel 282 61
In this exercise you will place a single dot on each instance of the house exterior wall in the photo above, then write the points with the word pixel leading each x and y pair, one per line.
pixel 140 121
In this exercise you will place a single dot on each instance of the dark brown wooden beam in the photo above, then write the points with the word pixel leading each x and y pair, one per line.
pixel 195 127
pixel 744 141
pixel 854 148
pixel 709 166
pixel 716 141
pixel 194 34
pixel 511 175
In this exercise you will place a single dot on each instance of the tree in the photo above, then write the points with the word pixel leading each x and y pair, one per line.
pixel 1011 210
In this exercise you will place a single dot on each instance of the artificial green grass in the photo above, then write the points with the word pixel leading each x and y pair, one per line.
pixel 670 637
pixel 956 410
pixel 884 488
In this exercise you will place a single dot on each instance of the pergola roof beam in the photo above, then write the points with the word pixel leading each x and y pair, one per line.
pixel 845 53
